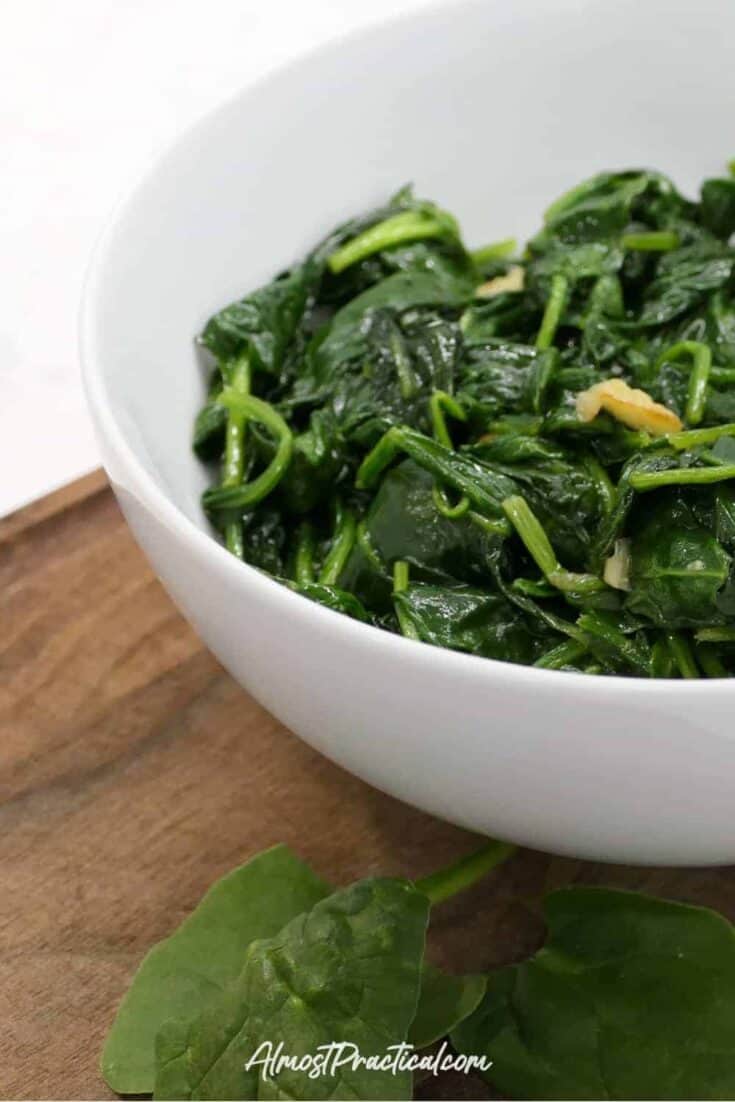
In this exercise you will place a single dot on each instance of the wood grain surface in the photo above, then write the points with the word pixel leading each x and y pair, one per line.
pixel 134 771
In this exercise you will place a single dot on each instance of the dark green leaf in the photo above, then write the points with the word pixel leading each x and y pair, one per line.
pixel 684 278
pixel 718 207
pixel 264 321
pixel 469 620
pixel 339 600
pixel 347 970
pixel 444 1002
pixel 677 567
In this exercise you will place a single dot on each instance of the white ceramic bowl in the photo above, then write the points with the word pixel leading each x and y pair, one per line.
pixel 492 108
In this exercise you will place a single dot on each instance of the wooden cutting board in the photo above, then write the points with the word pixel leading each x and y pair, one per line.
pixel 134 771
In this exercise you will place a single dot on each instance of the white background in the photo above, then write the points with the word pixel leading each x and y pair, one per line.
pixel 89 91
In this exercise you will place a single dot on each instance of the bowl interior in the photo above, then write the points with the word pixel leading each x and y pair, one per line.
pixel 491 108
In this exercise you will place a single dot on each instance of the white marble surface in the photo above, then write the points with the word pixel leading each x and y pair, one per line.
pixel 89 90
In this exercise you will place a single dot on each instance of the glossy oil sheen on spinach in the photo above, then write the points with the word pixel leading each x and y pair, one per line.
pixel 393 430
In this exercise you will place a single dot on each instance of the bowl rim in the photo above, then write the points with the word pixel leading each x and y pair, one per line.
pixel 205 545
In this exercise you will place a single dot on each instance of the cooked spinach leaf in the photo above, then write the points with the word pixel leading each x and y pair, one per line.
pixel 469 406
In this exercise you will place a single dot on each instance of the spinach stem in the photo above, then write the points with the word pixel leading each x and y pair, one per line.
pixel 653 241
pixel 381 456
pixel 538 545
pixel 715 635
pixel 410 225
pixel 699 377
pixel 553 311
pixel 606 492
pixel 533 587
pixel 345 531
pixel 710 661
pixel 464 873
pixel 564 654
pixel 407 381
pixel 304 560
pixel 693 438
pixel 400 576
pixel 711 459
pixel 233 464
pixel 245 494
pixel 496 250
pixel 722 375
pixel 681 476
pixel 531 531
pixel 439 403
pixel 400 585
pixel 437 460
pixel 493 526
pixel 683 655
pixel 445 507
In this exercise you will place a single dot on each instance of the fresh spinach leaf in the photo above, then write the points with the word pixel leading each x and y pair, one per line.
pixel 631 997
pixel 444 1002
pixel 192 967
pixel 348 969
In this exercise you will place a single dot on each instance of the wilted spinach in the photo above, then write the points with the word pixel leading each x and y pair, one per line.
pixel 437 395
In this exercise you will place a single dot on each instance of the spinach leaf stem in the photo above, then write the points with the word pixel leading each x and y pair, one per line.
pixel 410 225
pixel 693 438
pixel 495 250
pixel 246 494
pixel 715 635
pixel 343 539
pixel 445 507
pixel 400 585
pixel 304 559
pixel 701 357
pixel 710 662
pixel 233 464
pixel 683 655
pixel 445 883
pixel 643 481
pixel 439 403
pixel 553 311
pixel 538 545
pixel 564 654
pixel 653 241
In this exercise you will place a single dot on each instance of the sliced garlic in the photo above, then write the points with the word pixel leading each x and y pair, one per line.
pixel 634 408
pixel 511 281
pixel 617 567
